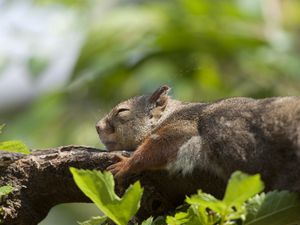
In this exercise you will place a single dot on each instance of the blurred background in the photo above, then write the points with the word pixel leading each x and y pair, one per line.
pixel 65 63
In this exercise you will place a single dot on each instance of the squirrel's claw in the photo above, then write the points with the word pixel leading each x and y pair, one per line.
pixel 118 158
pixel 119 169
pixel 114 168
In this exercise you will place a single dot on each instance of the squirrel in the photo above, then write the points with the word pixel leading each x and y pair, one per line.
pixel 253 136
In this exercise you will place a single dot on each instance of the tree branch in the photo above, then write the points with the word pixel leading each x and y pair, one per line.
pixel 42 180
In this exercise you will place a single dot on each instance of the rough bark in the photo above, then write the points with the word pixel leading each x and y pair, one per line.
pixel 42 180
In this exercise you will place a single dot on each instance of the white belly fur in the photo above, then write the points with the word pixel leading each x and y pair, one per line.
pixel 189 156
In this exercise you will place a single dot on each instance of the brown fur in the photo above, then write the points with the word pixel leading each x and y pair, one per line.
pixel 255 136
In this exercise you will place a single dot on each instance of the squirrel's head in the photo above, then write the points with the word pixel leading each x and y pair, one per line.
pixel 128 123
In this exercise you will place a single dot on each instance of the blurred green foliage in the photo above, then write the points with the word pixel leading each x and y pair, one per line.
pixel 204 49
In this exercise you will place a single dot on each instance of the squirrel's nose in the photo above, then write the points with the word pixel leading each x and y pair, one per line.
pixel 102 126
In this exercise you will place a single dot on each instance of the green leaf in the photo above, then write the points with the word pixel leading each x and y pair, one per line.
pixel 207 201
pixel 253 205
pixel 241 187
pixel 179 218
pixel 276 208
pixel 5 190
pixel 191 217
pixel 199 215
pixel 99 187
pixel 161 220
pixel 97 220
pixel 14 146
pixel 148 221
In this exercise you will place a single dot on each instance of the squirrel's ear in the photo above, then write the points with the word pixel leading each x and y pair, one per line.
pixel 160 96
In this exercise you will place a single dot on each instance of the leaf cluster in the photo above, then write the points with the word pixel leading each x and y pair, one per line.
pixel 243 203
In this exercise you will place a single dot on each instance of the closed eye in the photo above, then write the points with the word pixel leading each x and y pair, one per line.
pixel 122 110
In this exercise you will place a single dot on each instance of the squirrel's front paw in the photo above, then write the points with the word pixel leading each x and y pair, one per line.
pixel 119 169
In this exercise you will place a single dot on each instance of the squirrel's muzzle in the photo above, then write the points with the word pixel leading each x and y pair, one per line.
pixel 104 126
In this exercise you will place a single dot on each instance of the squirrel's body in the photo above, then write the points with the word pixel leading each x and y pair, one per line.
pixel 254 136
